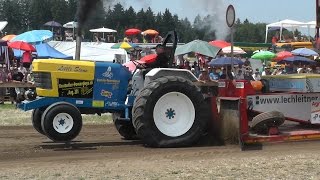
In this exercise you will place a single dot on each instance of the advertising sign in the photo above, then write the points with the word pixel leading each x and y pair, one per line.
pixel 294 84
pixel 295 105
pixel 315 112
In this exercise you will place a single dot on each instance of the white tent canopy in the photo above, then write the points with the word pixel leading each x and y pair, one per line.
pixel 311 24
pixel 91 51
pixel 287 23
pixel 103 30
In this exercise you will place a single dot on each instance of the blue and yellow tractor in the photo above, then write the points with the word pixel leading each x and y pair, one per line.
pixel 163 106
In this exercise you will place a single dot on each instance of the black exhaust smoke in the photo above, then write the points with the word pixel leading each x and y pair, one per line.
pixel 85 7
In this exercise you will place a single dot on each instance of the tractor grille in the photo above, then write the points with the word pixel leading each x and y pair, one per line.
pixel 42 80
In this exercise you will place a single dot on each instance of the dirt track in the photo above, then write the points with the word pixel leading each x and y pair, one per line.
pixel 102 154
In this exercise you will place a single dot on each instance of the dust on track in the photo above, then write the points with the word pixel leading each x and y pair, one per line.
pixel 100 153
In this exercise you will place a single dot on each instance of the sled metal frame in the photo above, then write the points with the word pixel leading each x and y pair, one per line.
pixel 287 132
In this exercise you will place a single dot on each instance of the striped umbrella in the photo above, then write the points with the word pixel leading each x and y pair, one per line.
pixel 124 45
pixel 8 37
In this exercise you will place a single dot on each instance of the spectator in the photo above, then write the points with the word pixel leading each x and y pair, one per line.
pixel 226 74
pixel 248 75
pixel 23 70
pixel 187 65
pixel 3 79
pixel 302 70
pixel 26 59
pixel 204 76
pixel 196 68
pixel 193 71
pixel 266 71
pixel 16 76
pixel 96 37
pixel 158 39
pixel 214 75
pixel 278 71
pixel 30 78
pixel 256 76
pixel 239 75
pixel 246 63
pixel 144 39
pixel 125 39
pixel 135 40
pixel 223 74
pixel 274 41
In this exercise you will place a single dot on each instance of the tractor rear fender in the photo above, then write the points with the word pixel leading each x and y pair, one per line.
pixel 161 72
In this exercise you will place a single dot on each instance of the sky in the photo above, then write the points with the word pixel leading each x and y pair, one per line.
pixel 263 11
pixel 266 11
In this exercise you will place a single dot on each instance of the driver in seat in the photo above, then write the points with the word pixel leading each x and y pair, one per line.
pixel 162 61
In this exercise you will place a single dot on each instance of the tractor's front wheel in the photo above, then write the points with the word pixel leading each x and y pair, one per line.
pixel 170 112
pixel 61 122
pixel 36 120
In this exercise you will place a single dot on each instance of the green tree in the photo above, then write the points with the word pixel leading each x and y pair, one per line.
pixel 140 18
pixel 11 12
pixel 96 20
pixel 130 15
pixel 58 11
pixel 24 14
pixel 199 28
pixel 71 10
pixel 167 22
pixel 186 32
pixel 149 19
pixel 40 13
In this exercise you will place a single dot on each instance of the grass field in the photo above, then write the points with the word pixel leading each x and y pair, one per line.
pixel 10 116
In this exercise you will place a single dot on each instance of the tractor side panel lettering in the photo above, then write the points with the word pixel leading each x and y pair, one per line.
pixel 72 69
pixel 75 88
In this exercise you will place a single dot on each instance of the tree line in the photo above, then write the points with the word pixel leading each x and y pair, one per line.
pixel 24 15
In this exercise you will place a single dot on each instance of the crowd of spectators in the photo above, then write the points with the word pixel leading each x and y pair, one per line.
pixel 207 73
pixel 14 74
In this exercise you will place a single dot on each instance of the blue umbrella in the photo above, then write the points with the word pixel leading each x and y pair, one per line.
pixel 304 52
pixel 34 37
pixel 297 59
pixel 44 51
pixel 223 61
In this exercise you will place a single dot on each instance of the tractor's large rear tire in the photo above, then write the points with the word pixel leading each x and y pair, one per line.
pixel 61 122
pixel 170 112
pixel 125 128
pixel 36 120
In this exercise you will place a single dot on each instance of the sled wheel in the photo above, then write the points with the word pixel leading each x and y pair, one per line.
pixel 262 122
